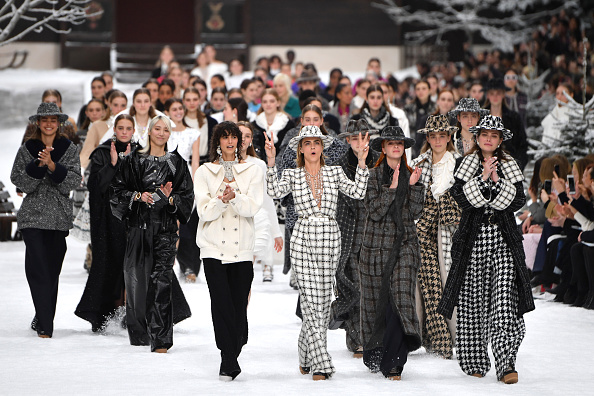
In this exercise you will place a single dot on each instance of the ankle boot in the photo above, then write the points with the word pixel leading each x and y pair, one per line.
pixel 570 296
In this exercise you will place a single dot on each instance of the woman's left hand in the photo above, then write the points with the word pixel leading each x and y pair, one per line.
pixel 414 176
pixel 45 158
pixel 166 189
pixel 364 150
pixel 278 244
pixel 228 194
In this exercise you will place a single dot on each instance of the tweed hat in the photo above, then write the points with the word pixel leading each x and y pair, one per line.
pixel 309 131
pixel 492 123
pixel 495 84
pixel 48 109
pixel 438 123
pixel 354 127
pixel 308 75
pixel 391 133
pixel 468 105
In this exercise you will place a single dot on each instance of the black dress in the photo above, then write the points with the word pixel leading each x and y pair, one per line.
pixel 152 304
pixel 104 290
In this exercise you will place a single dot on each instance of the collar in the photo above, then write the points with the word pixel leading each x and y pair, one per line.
pixel 238 168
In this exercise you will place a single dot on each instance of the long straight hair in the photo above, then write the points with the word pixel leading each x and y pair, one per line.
pixel 248 125
pixel 199 114
pixel 382 157
pixel 151 113
pixel 146 150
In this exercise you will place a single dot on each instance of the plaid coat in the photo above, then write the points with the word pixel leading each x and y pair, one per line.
pixel 474 196
pixel 386 279
pixel 350 215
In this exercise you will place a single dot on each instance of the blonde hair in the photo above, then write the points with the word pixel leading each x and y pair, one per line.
pixel 281 78
pixel 167 121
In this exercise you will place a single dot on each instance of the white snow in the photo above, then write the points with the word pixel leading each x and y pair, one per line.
pixel 555 357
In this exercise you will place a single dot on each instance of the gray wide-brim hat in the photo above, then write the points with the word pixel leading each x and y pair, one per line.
pixel 308 75
pixel 354 127
pixel 468 105
pixel 47 110
pixel 309 131
pixel 438 123
pixel 491 123
pixel 391 133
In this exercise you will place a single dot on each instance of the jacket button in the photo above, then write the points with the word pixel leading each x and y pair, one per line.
pixel 222 254
pixel 223 241
pixel 235 229
pixel 236 243
pixel 223 228
pixel 235 256
pixel 235 216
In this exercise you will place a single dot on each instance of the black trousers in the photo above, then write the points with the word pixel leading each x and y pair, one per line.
pixel 394 351
pixel 44 255
pixel 188 253
pixel 229 286
pixel 148 274
pixel 582 259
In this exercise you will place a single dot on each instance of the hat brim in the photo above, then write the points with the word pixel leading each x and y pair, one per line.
pixel 505 133
pixel 61 117
pixel 454 113
pixel 294 142
pixel 376 144
pixel 300 80
pixel 449 130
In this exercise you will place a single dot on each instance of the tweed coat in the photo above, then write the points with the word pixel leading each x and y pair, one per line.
pixel 382 281
pixel 449 212
pixel 350 215
pixel 473 199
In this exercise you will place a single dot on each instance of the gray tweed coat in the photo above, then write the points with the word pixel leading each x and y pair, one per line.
pixel 384 278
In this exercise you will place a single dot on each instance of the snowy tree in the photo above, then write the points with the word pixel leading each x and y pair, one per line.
pixel 501 22
pixel 39 15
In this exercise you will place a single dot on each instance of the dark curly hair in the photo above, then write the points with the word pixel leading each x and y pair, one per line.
pixel 223 129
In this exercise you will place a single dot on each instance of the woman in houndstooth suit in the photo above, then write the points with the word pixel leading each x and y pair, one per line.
pixel 488 280
pixel 315 242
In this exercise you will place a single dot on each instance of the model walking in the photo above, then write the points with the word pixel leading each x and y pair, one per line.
pixel 488 281
pixel 315 242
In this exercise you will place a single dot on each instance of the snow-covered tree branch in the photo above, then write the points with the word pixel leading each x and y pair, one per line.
pixel 501 22
pixel 39 15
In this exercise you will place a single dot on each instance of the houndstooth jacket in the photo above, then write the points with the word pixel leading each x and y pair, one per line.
pixel 449 212
pixel 478 199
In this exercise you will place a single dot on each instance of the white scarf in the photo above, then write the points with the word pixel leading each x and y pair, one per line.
pixel 443 175
pixel 280 121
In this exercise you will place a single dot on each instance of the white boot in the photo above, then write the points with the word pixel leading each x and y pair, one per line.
pixel 267 275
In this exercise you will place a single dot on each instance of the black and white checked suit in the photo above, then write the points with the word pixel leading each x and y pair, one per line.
pixel 315 251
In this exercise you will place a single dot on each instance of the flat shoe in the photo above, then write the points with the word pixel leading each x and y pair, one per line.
pixel 161 350
pixel 477 375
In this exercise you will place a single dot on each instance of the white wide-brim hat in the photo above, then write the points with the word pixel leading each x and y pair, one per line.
pixel 309 131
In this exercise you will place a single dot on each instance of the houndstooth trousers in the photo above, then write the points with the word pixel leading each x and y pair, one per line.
pixel 488 307
pixel 315 250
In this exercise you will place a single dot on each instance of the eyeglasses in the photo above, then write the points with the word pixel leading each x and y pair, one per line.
pixel 511 77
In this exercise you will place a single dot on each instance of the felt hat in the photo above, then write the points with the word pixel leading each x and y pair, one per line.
pixel 468 105
pixel 391 133
pixel 309 131
pixel 495 84
pixel 438 123
pixel 46 110
pixel 354 127
pixel 492 123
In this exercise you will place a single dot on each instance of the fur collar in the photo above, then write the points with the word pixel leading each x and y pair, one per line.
pixel 60 145
pixel 279 123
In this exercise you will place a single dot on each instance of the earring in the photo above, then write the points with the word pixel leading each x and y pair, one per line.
pixel 113 138
pixel 219 152
pixel 237 154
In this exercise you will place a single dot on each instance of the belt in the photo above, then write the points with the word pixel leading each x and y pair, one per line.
pixel 317 219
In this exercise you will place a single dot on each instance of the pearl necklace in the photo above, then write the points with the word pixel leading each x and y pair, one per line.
pixel 315 185
pixel 228 167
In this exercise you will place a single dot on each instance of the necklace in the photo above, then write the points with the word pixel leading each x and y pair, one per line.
pixel 467 144
pixel 228 167
pixel 315 185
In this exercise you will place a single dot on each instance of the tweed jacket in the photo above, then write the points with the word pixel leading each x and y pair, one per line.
pixel 350 215
pixel 475 198
pixel 448 210
pixel 47 204
pixel 378 242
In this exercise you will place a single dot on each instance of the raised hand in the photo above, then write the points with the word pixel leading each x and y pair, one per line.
pixel 490 167
pixel 114 154
pixel 128 148
pixel 415 176
pixel 558 184
pixel 269 148
pixel 363 151
pixel 167 188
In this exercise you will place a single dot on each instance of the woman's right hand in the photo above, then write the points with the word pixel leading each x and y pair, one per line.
pixel 489 166
pixel 114 154
pixel 395 177
pixel 147 198
pixel 269 148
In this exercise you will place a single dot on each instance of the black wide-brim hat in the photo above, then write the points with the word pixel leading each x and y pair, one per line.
pixel 491 123
pixel 354 127
pixel 47 110
pixel 495 84
pixel 391 133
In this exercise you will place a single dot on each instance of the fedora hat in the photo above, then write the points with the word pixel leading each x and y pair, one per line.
pixel 308 75
pixel 438 123
pixel 495 84
pixel 492 123
pixel 47 110
pixel 309 131
pixel 354 127
pixel 391 133
pixel 468 105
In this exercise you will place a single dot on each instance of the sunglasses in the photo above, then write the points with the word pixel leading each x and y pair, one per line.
pixel 511 77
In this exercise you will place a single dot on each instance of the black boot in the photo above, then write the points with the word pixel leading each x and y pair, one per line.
pixel 570 296
pixel 561 288
pixel 579 301
pixel 589 304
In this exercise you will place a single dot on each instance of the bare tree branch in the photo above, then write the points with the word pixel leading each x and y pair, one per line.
pixel 41 13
